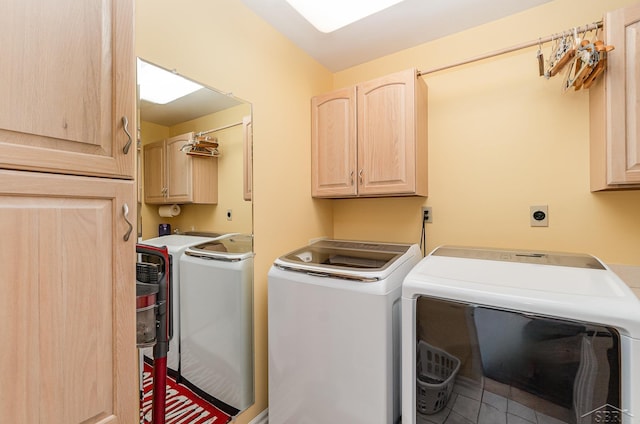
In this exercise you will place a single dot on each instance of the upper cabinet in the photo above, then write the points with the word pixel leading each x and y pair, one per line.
pixel 68 98
pixel 614 100
pixel 333 144
pixel 173 176
pixel 392 135
pixel 154 172
pixel 371 139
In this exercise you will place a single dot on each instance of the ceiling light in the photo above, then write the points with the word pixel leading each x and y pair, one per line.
pixel 330 15
pixel 160 86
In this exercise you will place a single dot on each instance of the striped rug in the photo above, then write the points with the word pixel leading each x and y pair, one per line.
pixel 183 406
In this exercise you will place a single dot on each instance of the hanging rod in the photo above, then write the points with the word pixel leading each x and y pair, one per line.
pixel 539 41
pixel 218 129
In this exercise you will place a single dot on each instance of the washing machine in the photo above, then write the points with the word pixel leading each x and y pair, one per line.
pixel 334 332
pixel 176 244
pixel 216 338
pixel 497 336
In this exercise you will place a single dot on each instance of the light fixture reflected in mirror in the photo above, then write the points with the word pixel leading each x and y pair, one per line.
pixel 162 87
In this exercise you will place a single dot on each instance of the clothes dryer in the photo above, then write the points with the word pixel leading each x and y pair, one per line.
pixel 496 336
pixel 176 245
pixel 334 332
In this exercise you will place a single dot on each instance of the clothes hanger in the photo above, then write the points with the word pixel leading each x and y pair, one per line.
pixel 540 57
pixel 590 62
pixel 602 49
pixel 563 54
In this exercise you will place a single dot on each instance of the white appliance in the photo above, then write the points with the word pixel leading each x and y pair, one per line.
pixel 334 334
pixel 216 338
pixel 176 244
pixel 495 336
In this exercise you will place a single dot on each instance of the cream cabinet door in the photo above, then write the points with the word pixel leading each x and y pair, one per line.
pixel 67 310
pixel 154 172
pixel 70 87
pixel 388 128
pixel 179 181
pixel 614 106
pixel 333 144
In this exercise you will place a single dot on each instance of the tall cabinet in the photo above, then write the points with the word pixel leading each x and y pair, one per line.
pixel 67 205
pixel 614 101
pixel 371 139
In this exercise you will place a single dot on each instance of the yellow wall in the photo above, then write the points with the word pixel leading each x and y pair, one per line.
pixel 223 45
pixel 502 138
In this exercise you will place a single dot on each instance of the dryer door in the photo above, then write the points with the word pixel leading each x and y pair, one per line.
pixel 485 364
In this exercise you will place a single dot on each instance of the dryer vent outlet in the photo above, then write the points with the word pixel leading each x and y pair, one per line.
pixel 539 216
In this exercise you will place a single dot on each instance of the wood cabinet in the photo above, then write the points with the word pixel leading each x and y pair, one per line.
pixel 67 310
pixel 65 90
pixel 371 139
pixel 172 176
pixel 333 144
pixel 614 101
pixel 154 164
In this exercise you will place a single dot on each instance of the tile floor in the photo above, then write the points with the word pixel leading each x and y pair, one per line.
pixel 470 404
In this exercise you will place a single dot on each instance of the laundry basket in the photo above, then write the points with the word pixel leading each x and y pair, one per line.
pixel 435 374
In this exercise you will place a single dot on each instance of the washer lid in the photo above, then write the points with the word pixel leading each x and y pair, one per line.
pixel 232 247
pixel 555 284
pixel 342 255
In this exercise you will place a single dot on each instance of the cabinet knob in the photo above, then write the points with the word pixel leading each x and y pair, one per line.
pixel 360 176
pixel 351 177
pixel 125 127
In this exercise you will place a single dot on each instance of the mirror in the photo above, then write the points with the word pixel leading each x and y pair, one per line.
pixel 215 115
pixel 195 151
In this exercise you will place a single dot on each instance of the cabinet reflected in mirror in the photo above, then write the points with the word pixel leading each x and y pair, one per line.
pixel 195 150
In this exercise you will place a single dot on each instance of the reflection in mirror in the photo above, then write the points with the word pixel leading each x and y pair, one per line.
pixel 194 179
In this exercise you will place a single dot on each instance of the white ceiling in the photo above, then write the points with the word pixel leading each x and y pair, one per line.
pixel 407 24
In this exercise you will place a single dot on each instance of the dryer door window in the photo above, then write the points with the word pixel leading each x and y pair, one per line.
pixel 484 364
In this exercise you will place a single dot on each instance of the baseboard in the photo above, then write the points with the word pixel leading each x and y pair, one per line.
pixel 261 418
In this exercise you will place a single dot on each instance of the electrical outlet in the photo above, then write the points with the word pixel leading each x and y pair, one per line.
pixel 539 216
pixel 427 214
